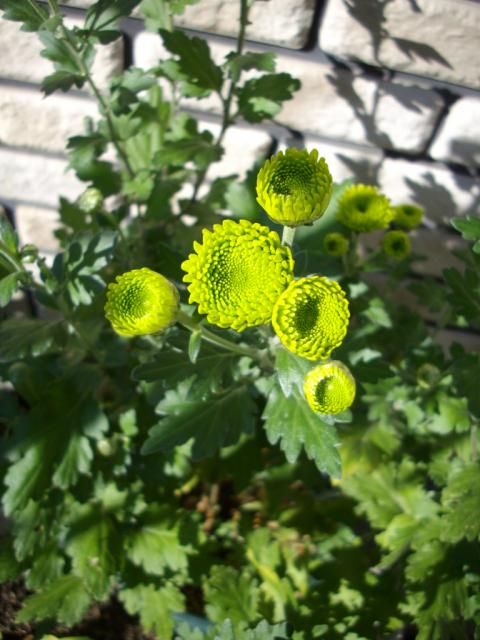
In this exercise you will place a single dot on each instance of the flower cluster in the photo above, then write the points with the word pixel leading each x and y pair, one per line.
pixel 241 275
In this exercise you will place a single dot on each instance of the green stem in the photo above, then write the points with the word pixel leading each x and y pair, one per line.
pixel 207 335
pixel 227 101
pixel 474 441
pixel 8 258
pixel 96 92
pixel 288 236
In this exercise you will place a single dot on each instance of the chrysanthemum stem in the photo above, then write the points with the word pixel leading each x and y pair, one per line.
pixel 190 324
pixel 288 236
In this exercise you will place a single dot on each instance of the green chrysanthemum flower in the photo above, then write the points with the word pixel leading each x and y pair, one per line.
pixel 294 187
pixel 311 317
pixel 237 273
pixel 329 388
pixel 396 244
pixel 335 244
pixel 362 207
pixel 407 216
pixel 140 302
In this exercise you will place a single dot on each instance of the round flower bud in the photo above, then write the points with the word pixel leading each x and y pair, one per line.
pixel 294 187
pixel 396 244
pixel 311 317
pixel 237 273
pixel 329 388
pixel 140 302
pixel 362 208
pixel 407 216
pixel 90 201
pixel 335 244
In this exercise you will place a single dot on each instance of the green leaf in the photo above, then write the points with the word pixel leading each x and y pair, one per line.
pixel 465 291
pixel 171 367
pixel 157 13
pixel 56 445
pixel 70 65
pixel 94 547
pixel 212 420
pixel 377 313
pixel 31 13
pixel 198 149
pixel 155 544
pixel 154 606
pixel 9 567
pixel 229 631
pixel 46 566
pixel 229 594
pixel 29 338
pixel 8 236
pixel 262 97
pixel 452 415
pixel 102 17
pixel 461 498
pixel 65 600
pixel 194 59
pixel 292 422
pixel 470 229
pixel 8 286
pixel 236 63
pixel 291 370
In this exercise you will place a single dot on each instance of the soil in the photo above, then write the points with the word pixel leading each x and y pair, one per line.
pixel 108 621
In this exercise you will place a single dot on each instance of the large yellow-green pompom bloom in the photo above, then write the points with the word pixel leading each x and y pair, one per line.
pixel 311 317
pixel 407 216
pixel 140 302
pixel 396 244
pixel 237 273
pixel 294 187
pixel 335 244
pixel 363 208
pixel 329 388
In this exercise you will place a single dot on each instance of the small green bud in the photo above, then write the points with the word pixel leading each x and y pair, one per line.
pixel 335 244
pixel 90 201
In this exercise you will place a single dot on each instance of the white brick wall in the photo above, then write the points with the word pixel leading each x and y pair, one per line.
pixel 459 137
pixel 29 120
pixel 431 38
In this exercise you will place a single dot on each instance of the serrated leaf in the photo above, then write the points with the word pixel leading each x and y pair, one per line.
pixel 8 236
pixel 102 17
pixel 46 566
pixel 52 453
pixel 65 600
pixel 465 291
pixel 61 80
pixel 461 498
pixel 452 415
pixel 229 594
pixel 154 606
pixel 8 286
pixel 470 230
pixel 262 97
pixel 32 14
pixel 214 421
pixel 155 545
pixel 29 337
pixel 291 370
pixel 237 63
pixel 198 149
pixel 94 547
pixel 292 423
pixel 194 59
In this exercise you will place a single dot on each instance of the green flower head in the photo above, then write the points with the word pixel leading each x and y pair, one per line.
pixel 329 388
pixel 362 208
pixel 294 187
pixel 311 317
pixel 396 244
pixel 140 302
pixel 237 273
pixel 335 244
pixel 407 216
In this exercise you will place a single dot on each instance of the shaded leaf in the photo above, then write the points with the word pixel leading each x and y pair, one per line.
pixel 154 606
pixel 32 14
pixel 262 97
pixel 292 423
